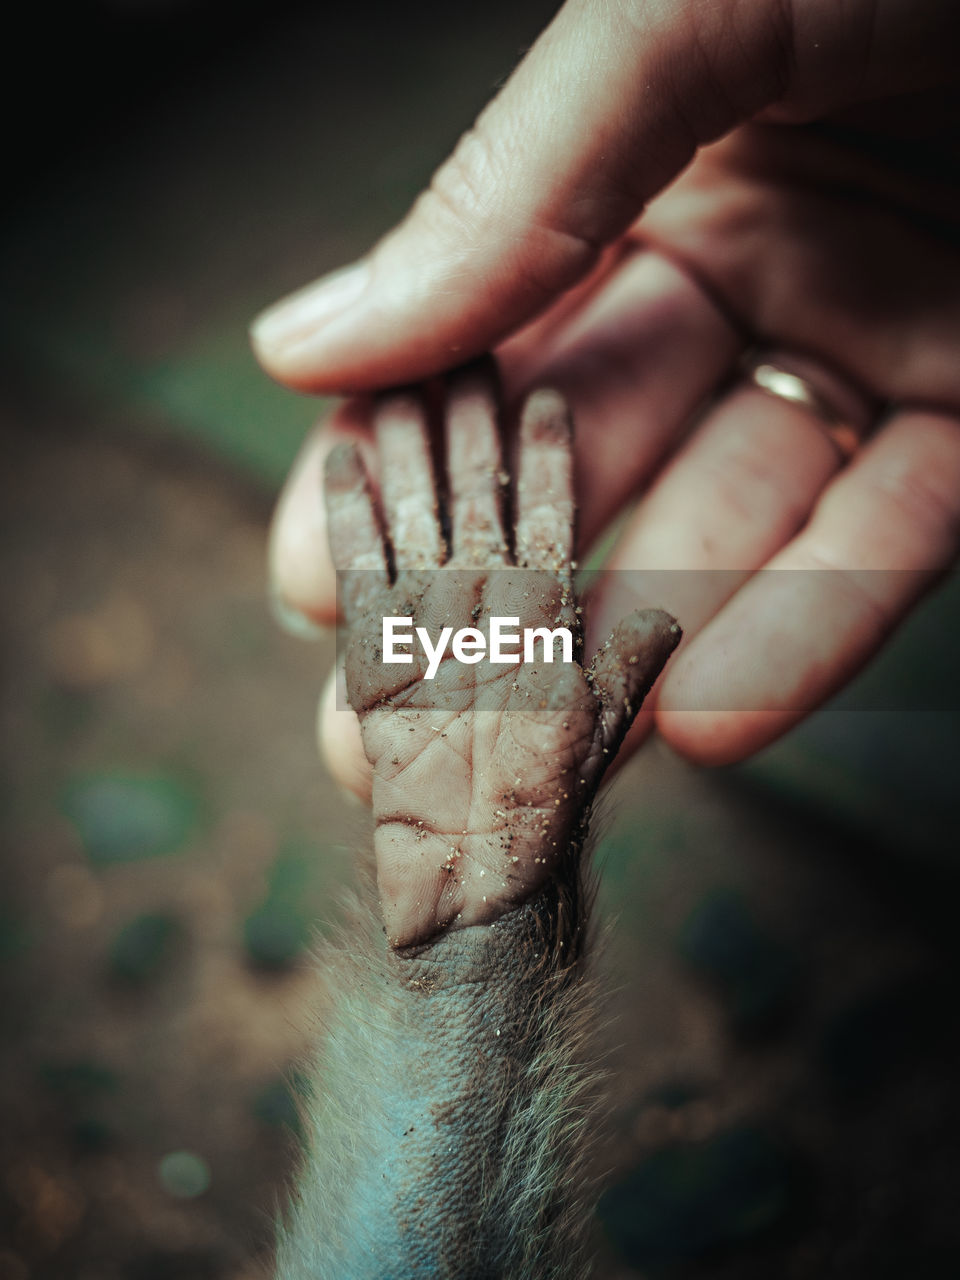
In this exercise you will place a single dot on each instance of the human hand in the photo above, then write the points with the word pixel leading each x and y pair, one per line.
pixel 482 772
pixel 823 225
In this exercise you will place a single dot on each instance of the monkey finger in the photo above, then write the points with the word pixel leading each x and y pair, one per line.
pixel 625 669
pixel 303 583
pixel 544 530
pixel 356 543
pixel 407 487
pixel 475 468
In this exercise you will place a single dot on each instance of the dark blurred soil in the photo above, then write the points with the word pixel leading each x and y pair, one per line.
pixel 170 842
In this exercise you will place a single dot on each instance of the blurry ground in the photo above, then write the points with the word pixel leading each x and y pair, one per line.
pixel 169 842
pixel 785 949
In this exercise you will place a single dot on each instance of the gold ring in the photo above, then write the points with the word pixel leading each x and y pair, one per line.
pixel 784 383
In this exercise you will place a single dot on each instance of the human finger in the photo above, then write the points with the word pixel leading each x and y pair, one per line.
pixel 338 736
pixel 609 104
pixel 883 532
pixel 744 482
pixel 545 179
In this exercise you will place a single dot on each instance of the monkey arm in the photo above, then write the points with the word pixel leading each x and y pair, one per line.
pixel 448 1126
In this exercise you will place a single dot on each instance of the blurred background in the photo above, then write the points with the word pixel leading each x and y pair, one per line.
pixel 784 941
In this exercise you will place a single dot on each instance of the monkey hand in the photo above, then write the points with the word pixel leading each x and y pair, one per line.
pixel 486 733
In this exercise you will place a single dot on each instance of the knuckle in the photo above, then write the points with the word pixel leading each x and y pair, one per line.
pixel 462 192
pixel 557 258
pixel 476 188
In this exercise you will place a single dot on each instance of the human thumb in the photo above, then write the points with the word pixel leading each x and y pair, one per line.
pixel 609 104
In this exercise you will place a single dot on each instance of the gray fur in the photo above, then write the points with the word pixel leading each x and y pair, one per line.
pixel 449 1124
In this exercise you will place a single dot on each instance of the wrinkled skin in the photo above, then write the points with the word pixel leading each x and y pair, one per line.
pixel 520 748
pixel 448 1128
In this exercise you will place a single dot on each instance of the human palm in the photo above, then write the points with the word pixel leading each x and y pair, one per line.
pixel 482 772
pixel 835 247
pixel 839 239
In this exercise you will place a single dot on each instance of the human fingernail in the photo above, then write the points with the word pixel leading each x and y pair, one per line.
pixel 289 323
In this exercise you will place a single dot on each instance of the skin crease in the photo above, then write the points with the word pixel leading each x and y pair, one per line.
pixel 819 217
pixel 449 1129
pixel 521 748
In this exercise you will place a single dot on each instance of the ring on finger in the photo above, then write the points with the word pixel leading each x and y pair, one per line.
pixel 842 411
